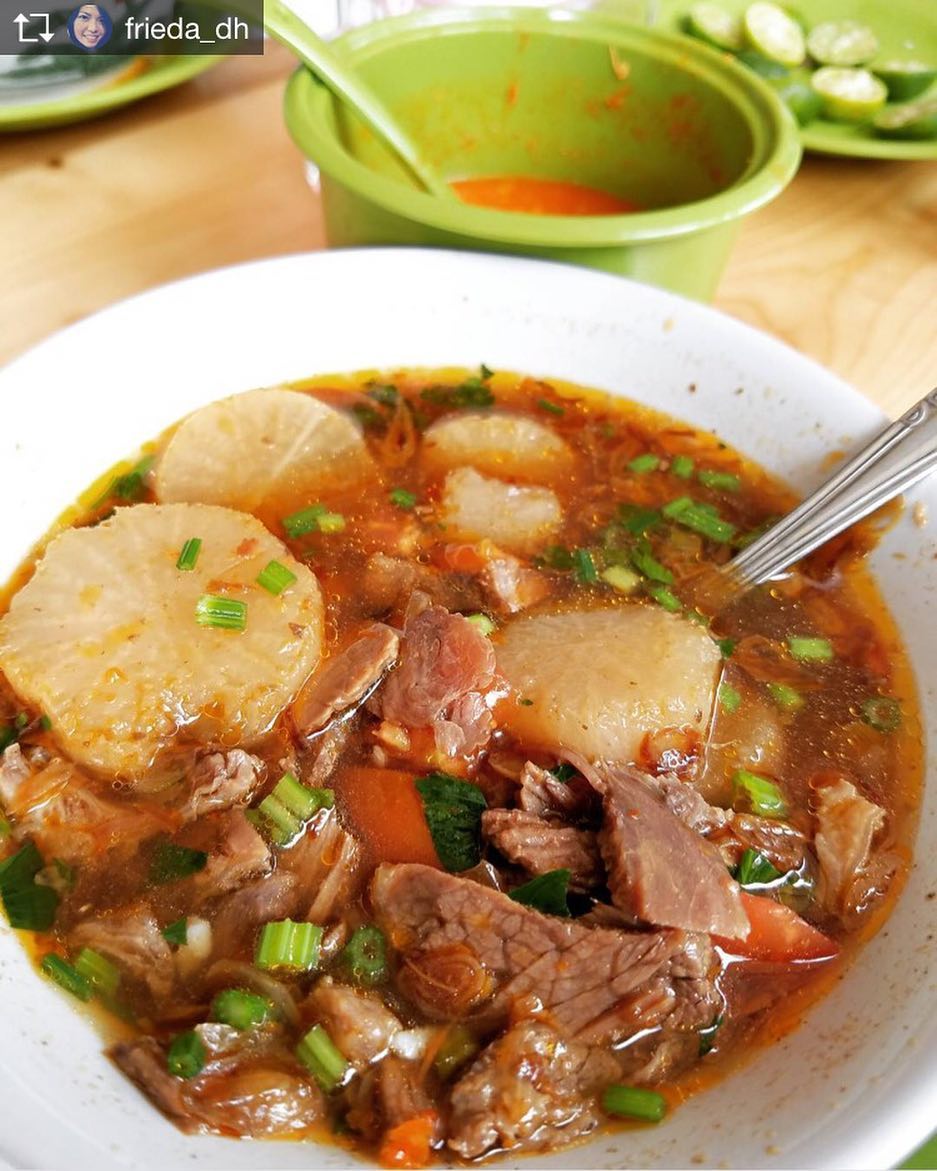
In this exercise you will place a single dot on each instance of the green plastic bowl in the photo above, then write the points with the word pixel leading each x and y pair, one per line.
pixel 669 124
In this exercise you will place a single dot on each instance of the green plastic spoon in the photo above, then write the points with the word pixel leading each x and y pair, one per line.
pixel 283 24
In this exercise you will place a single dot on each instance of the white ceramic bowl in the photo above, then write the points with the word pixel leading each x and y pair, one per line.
pixel 856 1085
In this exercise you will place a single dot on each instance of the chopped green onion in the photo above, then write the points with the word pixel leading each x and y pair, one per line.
pixel 726 647
pixel 754 869
pixel 21 721
pixel 719 481
pixel 648 462
pixel 67 977
pixel 482 622
pixel 401 498
pixel 621 579
pixel 275 578
pixel 186 1057
pixel 665 597
pixel 638 520
pixel 189 553
pixel 240 1009
pixel 701 518
pixel 98 970
pixel 730 700
pixel 365 956
pixel 762 795
pixel 810 650
pixel 546 893
pixel 460 1046
pixel 707 1036
pixel 223 613
pixel 131 486
pixel 289 806
pixel 882 712
pixel 556 557
pixel 290 945
pixel 584 567
pixel 645 562
pixel 485 372
pixel 28 906
pixel 318 1052
pixel 553 408
pixel 786 697
pixel 331 522
pixel 633 1102
pixel 171 862
pixel 177 932
pixel 45 723
pixel 297 524
pixel 384 393
pixel 562 772
pixel 8 736
pixel 682 466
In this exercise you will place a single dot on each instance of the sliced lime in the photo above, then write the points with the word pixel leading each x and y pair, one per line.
pixel 842 43
pixel 714 24
pixel 849 95
pixel 915 120
pixel 774 34
pixel 905 79
pixel 799 96
pixel 761 65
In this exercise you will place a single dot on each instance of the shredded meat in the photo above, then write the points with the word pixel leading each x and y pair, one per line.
pixel 847 826
pixel 221 780
pixel 134 942
pixel 540 846
pixel 581 976
pixel 346 679
pixel 685 802
pixel 359 1024
pixel 528 1091
pixel 236 852
pixel 325 864
pixel 542 793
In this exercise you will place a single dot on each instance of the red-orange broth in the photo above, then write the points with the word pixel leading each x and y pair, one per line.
pixel 435 1009
pixel 532 196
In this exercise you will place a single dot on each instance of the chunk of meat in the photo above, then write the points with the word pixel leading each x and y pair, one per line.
pixel 385 1099
pixel 445 665
pixel 511 585
pixel 847 826
pixel 783 845
pixel 514 516
pixel 597 682
pixel 359 1024
pixel 581 976
pixel 400 1091
pixel 387 582
pixel 135 943
pixel 658 868
pixel 686 802
pixel 660 1057
pixel 220 780
pixel 325 863
pixel 241 913
pixel 236 852
pixel 346 679
pixel 247 1089
pixel 539 846
pixel 543 794
pixel 530 1090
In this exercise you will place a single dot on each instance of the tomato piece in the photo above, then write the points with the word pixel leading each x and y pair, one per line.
pixel 778 933
pixel 409 1144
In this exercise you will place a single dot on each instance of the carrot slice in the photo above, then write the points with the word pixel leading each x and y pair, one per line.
pixel 386 810
pixel 778 934
pixel 409 1144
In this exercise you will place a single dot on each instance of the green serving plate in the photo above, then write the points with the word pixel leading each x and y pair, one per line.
pixel 905 28
pixel 112 93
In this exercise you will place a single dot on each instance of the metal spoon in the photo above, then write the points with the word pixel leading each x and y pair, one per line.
pixel 283 24
pixel 896 459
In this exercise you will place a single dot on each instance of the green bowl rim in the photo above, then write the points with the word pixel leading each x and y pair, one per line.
pixel 774 133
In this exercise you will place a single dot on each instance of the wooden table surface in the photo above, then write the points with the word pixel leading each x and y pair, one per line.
pixel 843 265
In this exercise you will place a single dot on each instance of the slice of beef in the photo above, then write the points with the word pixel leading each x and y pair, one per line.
pixel 579 975
pixel 221 780
pixel 544 794
pixel 236 852
pixel 530 1090
pixel 658 869
pixel 240 914
pixel 359 1024
pixel 346 679
pixel 783 845
pixel 685 802
pixel 847 824
pixel 250 1087
pixel 540 846
pixel 325 862
pixel 388 582
pixel 135 943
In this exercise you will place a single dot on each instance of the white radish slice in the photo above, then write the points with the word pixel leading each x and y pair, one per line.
pixel 263 446
pixel 599 681
pixel 513 516
pixel 499 444
pixel 104 640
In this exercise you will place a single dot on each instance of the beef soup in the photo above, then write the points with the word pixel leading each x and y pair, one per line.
pixel 377 759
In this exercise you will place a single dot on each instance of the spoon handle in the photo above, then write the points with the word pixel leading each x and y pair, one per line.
pixel 284 24
pixel 899 456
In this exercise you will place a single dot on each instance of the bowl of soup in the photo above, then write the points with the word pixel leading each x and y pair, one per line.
pixel 564 135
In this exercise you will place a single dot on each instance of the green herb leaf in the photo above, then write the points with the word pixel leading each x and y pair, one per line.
pixel 546 893
pixel 28 906
pixel 383 393
pixel 707 1036
pixel 754 870
pixel 584 567
pixel 556 557
pixel 186 1057
pixel 177 932
pixel 453 810
pixel 171 862
pixel 562 772
pixel 726 647
pixel 637 520
pixel 401 498
pixel 471 393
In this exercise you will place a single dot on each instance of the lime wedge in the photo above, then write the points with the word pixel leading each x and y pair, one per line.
pixel 715 25
pixel 761 65
pixel 849 95
pixel 799 96
pixel 905 79
pixel 915 120
pixel 842 43
pixel 774 34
